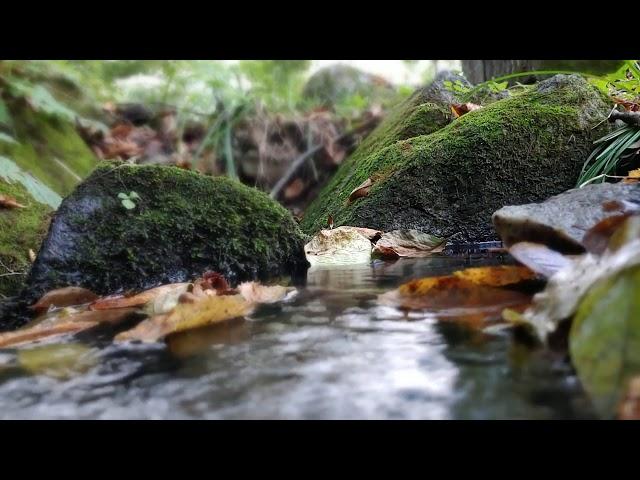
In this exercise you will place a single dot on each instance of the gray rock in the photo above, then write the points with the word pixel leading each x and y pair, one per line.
pixel 561 221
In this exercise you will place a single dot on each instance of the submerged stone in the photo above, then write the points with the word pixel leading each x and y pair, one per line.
pixel 448 181
pixel 175 226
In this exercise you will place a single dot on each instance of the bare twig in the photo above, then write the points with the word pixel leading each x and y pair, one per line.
pixel 298 162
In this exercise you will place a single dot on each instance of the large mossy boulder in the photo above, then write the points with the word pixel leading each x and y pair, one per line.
pixel 181 225
pixel 448 182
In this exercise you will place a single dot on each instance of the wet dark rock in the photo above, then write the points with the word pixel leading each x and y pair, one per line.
pixel 182 225
pixel 562 220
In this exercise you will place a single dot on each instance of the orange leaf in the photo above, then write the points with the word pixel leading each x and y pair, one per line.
pixel 9 202
pixel 64 297
pixel 496 276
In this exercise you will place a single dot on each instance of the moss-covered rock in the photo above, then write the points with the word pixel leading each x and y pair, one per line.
pixel 182 224
pixel 21 230
pixel 448 183
pixel 47 147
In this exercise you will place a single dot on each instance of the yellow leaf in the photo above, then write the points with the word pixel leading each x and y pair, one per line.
pixel 206 310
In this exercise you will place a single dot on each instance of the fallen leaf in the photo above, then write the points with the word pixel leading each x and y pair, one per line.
pixel 32 256
pixel 360 191
pixel 58 361
pixel 372 234
pixel 629 408
pixel 9 202
pixel 454 297
pixel 408 243
pixel 496 276
pixel 604 341
pixel 339 246
pixel 460 109
pixel 61 323
pixel 140 299
pixel 254 292
pixel 566 288
pixel 64 297
pixel 596 239
pixel 206 311
pixel 539 258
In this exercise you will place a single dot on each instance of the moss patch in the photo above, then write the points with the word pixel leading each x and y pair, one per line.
pixel 49 148
pixel 21 229
pixel 182 225
pixel 448 183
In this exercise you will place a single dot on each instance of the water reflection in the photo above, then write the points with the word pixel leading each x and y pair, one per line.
pixel 332 352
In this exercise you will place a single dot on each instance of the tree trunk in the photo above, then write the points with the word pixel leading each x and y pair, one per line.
pixel 478 71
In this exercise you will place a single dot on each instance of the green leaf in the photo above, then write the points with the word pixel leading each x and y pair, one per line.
pixel 128 204
pixel 605 339
pixel 123 196
pixel 134 195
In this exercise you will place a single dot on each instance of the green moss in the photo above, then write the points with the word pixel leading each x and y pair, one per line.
pixel 183 224
pixel 49 148
pixel 447 183
pixel 21 229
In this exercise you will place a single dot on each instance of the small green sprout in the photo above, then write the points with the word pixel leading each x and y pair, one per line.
pixel 128 200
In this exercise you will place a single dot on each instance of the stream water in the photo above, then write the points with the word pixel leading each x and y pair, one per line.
pixel 331 353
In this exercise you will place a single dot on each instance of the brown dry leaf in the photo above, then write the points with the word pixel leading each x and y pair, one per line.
pixel 63 323
pixel 122 301
pixel 629 408
pixel 254 292
pixel 596 239
pixel 361 190
pixel 64 297
pixel 460 109
pixel 370 233
pixel 497 276
pixel 408 243
pixel 455 298
pixel 9 202
pixel 206 311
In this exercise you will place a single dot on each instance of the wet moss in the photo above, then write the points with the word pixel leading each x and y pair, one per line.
pixel 183 224
pixel 448 182
pixel 49 148
pixel 21 229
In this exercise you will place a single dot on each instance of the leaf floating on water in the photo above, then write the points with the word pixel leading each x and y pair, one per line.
pixel 408 243
pixel 339 246
pixel 254 292
pixel 206 311
pixel 61 323
pixel 497 276
pixel 140 299
pixel 23 336
pixel 539 258
pixel 60 361
pixel 9 202
pixel 454 297
pixel 605 339
pixel 360 191
pixel 64 297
